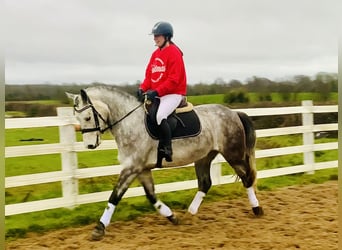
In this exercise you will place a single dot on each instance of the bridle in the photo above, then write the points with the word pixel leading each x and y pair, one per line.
pixel 98 116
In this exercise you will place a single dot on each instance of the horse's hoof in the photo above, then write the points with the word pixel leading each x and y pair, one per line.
pixel 258 211
pixel 173 219
pixel 98 232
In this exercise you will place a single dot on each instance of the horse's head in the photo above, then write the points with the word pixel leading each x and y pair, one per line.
pixel 92 116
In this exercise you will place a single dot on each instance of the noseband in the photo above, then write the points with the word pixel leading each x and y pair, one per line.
pixel 97 115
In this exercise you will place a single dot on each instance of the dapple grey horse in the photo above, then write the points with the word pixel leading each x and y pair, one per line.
pixel 224 131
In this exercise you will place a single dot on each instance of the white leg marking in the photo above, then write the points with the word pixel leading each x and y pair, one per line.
pixel 162 209
pixel 252 198
pixel 107 214
pixel 196 202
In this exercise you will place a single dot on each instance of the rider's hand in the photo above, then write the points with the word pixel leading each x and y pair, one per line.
pixel 140 95
pixel 151 94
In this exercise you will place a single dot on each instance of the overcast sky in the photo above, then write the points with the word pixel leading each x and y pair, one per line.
pixel 83 41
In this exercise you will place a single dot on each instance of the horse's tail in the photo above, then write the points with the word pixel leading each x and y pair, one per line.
pixel 250 144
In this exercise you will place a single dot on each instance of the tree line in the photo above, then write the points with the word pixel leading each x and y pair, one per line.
pixel 323 83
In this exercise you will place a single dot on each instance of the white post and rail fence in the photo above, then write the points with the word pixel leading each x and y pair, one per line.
pixel 68 148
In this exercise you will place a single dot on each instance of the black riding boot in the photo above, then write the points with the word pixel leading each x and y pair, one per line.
pixel 164 147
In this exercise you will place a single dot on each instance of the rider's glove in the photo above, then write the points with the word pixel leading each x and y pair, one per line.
pixel 140 95
pixel 151 94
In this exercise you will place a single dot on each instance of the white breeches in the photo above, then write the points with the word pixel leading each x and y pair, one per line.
pixel 168 103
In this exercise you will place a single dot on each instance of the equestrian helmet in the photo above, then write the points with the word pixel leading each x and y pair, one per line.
pixel 163 28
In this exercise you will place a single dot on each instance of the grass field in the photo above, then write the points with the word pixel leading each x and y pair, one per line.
pixel 19 225
pixel 130 208
pixel 277 98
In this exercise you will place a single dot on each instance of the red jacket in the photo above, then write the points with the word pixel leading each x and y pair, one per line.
pixel 165 72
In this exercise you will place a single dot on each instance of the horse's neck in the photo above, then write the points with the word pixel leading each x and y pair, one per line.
pixel 120 106
pixel 126 125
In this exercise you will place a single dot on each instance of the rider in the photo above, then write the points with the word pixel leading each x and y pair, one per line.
pixel 165 78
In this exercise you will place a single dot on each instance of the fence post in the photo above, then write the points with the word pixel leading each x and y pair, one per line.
pixel 215 172
pixel 308 137
pixel 67 136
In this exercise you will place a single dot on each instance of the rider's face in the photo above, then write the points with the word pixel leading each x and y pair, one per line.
pixel 159 40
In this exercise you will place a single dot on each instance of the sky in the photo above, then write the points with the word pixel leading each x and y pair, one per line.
pixel 109 41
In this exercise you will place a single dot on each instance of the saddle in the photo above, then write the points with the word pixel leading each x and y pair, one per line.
pixel 183 122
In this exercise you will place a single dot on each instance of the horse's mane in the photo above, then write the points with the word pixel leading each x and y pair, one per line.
pixel 105 89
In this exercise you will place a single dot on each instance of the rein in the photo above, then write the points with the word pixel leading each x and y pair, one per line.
pixel 126 115
pixel 96 118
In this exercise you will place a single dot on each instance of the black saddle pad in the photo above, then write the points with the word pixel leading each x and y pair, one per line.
pixel 182 125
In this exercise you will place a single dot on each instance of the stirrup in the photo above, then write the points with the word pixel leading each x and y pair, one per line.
pixel 166 152
pixel 162 154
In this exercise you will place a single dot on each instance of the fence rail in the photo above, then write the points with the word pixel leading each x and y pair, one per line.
pixel 70 174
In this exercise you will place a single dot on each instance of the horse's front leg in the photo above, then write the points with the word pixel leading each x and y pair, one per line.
pixel 126 177
pixel 146 180
pixel 202 168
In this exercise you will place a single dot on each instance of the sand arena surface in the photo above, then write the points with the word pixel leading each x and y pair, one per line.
pixel 297 217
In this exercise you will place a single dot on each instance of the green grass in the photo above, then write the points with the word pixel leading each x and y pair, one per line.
pixel 46 163
pixel 33 192
pixel 32 164
pixel 130 208
pixel 21 136
pixel 277 98
pixel 15 114
pixel 279 141
pixel 97 158
pixel 205 99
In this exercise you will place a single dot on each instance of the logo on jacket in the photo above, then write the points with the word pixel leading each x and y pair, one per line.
pixel 158 69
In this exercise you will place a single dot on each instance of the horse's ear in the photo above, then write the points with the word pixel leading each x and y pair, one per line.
pixel 84 96
pixel 71 96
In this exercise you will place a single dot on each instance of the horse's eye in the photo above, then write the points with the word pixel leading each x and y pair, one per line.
pixel 87 119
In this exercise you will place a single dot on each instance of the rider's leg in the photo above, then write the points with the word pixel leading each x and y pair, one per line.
pixel 168 104
pixel 164 147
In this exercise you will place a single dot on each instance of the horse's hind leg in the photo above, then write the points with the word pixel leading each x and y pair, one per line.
pixel 247 174
pixel 146 180
pixel 202 168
